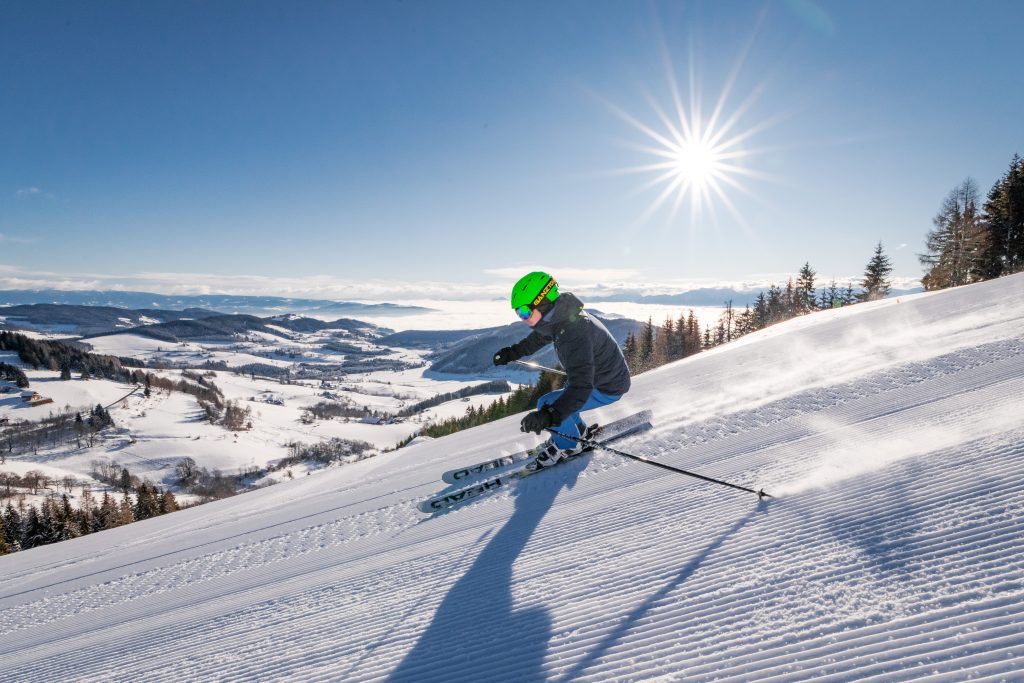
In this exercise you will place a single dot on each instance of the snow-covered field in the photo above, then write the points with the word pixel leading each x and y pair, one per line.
pixel 153 434
pixel 891 433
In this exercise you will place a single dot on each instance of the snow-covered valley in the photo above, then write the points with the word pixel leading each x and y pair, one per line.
pixel 890 434
pixel 153 433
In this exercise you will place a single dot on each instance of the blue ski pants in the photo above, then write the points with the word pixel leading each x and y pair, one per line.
pixel 574 424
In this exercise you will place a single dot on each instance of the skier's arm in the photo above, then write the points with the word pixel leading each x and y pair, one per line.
pixel 579 369
pixel 531 345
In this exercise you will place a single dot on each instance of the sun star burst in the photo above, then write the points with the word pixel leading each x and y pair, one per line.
pixel 698 159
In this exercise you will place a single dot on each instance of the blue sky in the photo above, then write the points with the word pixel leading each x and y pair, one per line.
pixel 234 145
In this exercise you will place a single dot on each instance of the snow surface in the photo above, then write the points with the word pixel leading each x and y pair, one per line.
pixel 891 432
pixel 153 434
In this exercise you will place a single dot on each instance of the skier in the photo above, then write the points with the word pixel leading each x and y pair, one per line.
pixel 596 372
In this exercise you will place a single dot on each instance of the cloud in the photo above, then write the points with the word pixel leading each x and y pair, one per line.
pixel 11 239
pixel 327 287
pixel 33 192
pixel 580 275
pixel 494 283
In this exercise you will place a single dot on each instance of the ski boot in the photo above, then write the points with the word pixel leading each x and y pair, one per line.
pixel 548 454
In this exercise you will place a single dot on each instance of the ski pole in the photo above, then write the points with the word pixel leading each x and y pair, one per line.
pixel 537 366
pixel 594 444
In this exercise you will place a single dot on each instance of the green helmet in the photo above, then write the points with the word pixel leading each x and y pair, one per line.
pixel 531 290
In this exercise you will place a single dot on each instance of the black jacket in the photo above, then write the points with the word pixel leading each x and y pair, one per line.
pixel 585 348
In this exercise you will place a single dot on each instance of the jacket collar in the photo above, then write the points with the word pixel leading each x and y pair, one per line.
pixel 567 308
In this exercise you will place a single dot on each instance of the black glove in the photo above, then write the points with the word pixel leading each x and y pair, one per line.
pixel 505 356
pixel 538 420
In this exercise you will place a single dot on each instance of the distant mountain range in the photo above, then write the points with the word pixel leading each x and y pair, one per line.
pixel 426 339
pixel 87 320
pixel 168 325
pixel 456 352
pixel 221 303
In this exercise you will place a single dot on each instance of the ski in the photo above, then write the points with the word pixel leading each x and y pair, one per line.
pixel 449 500
pixel 458 476
pixel 463 474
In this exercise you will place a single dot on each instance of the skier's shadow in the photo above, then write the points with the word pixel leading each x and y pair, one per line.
pixel 655 599
pixel 475 632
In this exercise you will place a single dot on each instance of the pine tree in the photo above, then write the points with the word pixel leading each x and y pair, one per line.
pixel 631 352
pixel 146 504
pixel 168 503
pixel 86 517
pixel 674 337
pixel 125 514
pixel 660 348
pixel 849 297
pixel 762 315
pixel 789 302
pixel 679 337
pixel 12 527
pixel 805 292
pixel 876 283
pixel 744 322
pixel 1003 223
pixel 65 523
pixel 776 305
pixel 645 350
pixel 996 225
pixel 107 517
pixel 956 249
pixel 692 343
pixel 4 547
pixel 831 297
pixel 1015 216
pixel 720 333
pixel 125 481
pixel 33 533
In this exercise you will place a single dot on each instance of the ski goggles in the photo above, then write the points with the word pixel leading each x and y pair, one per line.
pixel 526 310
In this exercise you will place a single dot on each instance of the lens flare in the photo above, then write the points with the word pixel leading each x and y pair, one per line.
pixel 699 158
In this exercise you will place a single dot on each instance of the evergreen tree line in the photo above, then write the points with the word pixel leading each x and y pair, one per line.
pixel 55 430
pixel 676 339
pixel 60 356
pixel 55 519
pixel 523 398
pixel 974 241
pixel 13 374
pixel 493 387
pixel 325 410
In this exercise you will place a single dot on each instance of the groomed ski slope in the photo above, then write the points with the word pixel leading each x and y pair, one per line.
pixel 892 434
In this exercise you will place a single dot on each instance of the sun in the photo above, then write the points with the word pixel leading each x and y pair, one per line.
pixel 700 158
pixel 696 162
